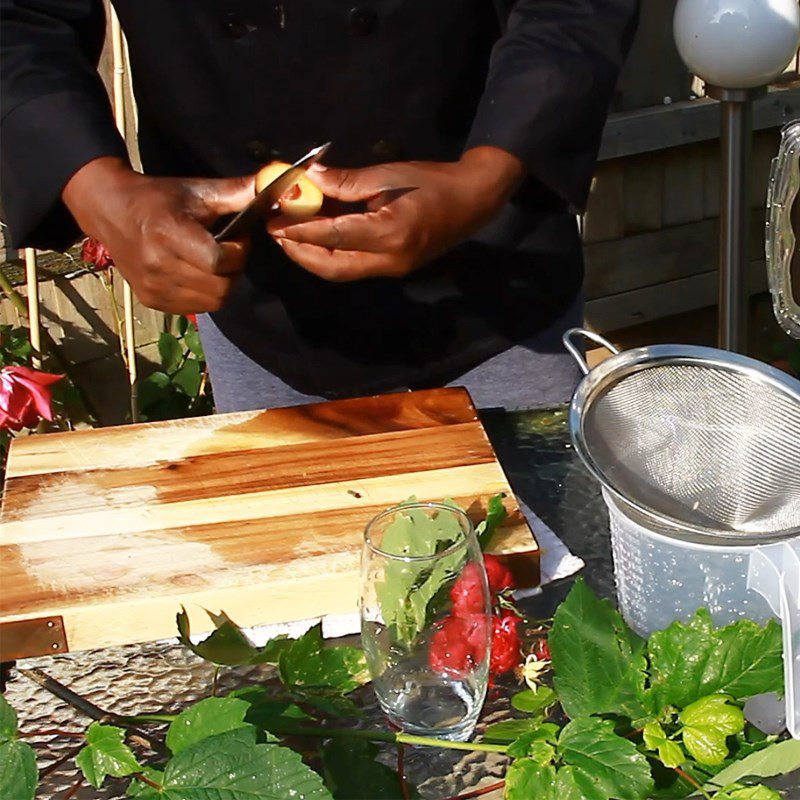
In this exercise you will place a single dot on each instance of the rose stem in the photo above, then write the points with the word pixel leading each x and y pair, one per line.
pixel 348 733
pixel 401 771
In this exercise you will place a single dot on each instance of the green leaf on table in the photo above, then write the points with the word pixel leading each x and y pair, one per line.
pixel 206 718
pixel 706 725
pixel 307 663
pixel 227 644
pixel 351 772
pixel 192 340
pixel 670 753
pixel 538 745
pixel 598 662
pixel 777 759
pixel 530 702
pixel 266 712
pixel 407 588
pixel 170 350
pixel 141 790
pixel 525 780
pixel 231 765
pixel 106 754
pixel 271 651
pixel 18 772
pixel 603 764
pixel 495 516
pixel 8 721
pixel 510 730
pixel 690 660
pixel 183 325
pixel 328 702
pixel 188 378
pixel 738 792
pixel 152 388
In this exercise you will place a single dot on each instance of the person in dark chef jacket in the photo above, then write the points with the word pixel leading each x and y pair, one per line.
pixel 491 111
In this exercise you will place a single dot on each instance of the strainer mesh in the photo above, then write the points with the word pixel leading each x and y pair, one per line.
pixel 701 445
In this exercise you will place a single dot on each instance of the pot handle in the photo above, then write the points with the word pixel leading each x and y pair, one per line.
pixel 775 574
pixel 573 350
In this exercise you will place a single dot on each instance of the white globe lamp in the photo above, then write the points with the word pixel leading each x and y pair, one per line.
pixel 737 44
pixel 736 47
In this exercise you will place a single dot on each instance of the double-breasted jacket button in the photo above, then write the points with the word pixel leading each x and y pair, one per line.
pixel 363 21
pixel 387 151
pixel 234 26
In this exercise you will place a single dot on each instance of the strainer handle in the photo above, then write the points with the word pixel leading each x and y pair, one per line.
pixel 573 350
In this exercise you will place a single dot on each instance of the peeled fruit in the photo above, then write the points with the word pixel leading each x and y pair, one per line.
pixel 304 199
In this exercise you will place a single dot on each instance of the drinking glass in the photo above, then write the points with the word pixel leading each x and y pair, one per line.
pixel 425 618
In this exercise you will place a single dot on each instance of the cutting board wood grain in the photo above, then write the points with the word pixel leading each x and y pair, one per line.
pixel 105 533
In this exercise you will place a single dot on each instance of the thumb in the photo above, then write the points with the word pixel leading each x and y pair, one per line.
pixel 219 196
pixel 350 185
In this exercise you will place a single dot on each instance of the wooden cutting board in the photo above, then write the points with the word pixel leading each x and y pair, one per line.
pixel 105 533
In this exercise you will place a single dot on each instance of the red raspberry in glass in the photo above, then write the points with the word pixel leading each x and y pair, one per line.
pixel 467 591
pixel 505 643
pixel 449 650
pixel 499 575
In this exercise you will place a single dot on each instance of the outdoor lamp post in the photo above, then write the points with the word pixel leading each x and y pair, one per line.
pixel 737 47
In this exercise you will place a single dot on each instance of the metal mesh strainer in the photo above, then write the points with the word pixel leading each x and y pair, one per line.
pixel 695 438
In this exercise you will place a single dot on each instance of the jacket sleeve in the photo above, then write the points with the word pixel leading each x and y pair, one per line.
pixel 55 115
pixel 551 78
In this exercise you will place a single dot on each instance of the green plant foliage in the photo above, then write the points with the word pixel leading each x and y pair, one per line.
pixel 598 662
pixel 18 772
pixel 351 772
pixel 178 389
pixel 690 660
pixel 106 753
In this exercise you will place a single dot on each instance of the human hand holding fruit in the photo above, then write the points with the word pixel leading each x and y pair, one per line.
pixel 415 211
pixel 156 230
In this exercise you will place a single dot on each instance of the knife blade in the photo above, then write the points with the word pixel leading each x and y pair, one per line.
pixel 254 213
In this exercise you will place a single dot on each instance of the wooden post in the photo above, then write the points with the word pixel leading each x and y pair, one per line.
pixel 34 322
pixel 119 115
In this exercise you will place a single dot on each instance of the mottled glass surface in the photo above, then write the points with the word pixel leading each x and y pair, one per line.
pixel 534 448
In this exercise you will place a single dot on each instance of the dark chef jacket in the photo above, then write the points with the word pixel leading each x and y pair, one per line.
pixel 222 87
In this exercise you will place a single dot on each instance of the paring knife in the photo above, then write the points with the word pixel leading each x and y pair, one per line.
pixel 255 212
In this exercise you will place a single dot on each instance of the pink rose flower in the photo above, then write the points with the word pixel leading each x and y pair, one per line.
pixel 25 397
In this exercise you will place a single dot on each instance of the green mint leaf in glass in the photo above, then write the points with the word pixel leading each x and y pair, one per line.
pixel 706 725
pixel 598 662
pixel 507 731
pixel 206 718
pixel 106 754
pixel 530 702
pixel 525 779
pixel 690 660
pixel 351 772
pixel 604 765
pixel 780 758
pixel 409 587
pixel 232 765
pixel 306 663
pixel 226 645
pixel 669 752
pixel 738 792
pixel 495 516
